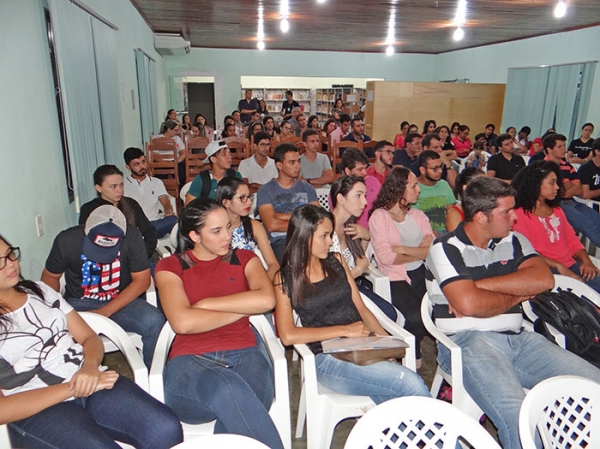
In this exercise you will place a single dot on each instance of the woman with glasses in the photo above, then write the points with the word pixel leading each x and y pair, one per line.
pixel 246 233
pixel 217 367
pixel 53 390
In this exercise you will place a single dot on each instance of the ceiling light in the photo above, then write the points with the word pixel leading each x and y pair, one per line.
pixel 284 25
pixel 458 34
pixel 321 1
pixel 560 9
pixel 261 45
pixel 461 13
pixel 390 50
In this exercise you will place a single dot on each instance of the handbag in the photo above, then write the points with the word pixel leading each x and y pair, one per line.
pixel 365 350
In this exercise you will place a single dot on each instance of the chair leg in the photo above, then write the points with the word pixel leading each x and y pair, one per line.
pixel 436 385
pixel 301 413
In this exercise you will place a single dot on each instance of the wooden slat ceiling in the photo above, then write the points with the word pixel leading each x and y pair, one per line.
pixel 422 26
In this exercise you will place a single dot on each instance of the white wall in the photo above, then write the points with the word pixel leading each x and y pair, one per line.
pixel 228 66
pixel 490 64
pixel 32 176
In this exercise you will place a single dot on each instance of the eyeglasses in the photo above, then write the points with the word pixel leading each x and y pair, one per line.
pixel 244 198
pixel 13 255
pixel 436 168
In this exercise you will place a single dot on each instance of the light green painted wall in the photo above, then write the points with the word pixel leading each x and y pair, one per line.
pixel 490 64
pixel 32 177
pixel 227 66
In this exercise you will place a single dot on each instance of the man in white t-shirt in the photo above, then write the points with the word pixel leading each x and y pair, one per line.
pixel 149 192
pixel 260 168
pixel 315 167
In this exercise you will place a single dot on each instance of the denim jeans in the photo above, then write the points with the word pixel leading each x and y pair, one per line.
pixel 164 225
pixel 138 316
pixel 126 413
pixel 496 368
pixel 583 219
pixel 380 381
pixel 200 389
pixel 594 282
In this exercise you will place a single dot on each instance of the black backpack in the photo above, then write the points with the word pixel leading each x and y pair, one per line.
pixel 575 317
pixel 207 182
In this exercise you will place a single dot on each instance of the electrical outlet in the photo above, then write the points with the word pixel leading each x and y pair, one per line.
pixel 39 227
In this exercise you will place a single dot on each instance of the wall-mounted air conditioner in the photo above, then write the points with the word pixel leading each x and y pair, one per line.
pixel 171 44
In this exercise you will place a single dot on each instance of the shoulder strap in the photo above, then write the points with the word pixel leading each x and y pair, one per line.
pixel 206 183
pixel 185 261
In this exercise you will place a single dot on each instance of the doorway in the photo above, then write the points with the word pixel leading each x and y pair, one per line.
pixel 201 100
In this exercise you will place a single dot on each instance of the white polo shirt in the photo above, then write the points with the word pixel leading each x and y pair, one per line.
pixel 147 192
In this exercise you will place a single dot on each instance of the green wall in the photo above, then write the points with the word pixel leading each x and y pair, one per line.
pixel 32 179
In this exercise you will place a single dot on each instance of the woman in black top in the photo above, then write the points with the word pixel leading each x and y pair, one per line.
pixel 580 149
pixel 108 181
pixel 319 287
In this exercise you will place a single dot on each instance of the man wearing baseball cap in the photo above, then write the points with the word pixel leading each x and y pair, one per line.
pixel 106 272
pixel 205 182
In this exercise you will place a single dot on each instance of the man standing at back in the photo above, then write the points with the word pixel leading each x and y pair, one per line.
pixel 278 198
pixel 247 106
pixel 149 192
pixel 478 276
pixel 288 105
pixel 106 272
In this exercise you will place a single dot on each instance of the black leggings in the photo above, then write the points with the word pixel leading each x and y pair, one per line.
pixel 407 298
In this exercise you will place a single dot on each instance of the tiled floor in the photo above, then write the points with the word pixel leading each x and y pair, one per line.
pixel 427 371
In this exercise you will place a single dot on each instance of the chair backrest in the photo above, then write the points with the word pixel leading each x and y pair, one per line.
pixel 417 422
pixel 323 196
pixel 562 410
pixel 162 156
pixel 184 190
pixel 238 149
pixel 194 157
pixel 337 158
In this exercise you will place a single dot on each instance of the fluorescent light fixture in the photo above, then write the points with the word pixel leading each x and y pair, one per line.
pixel 284 12
pixel 390 50
pixel 458 34
pixel 260 45
pixel 284 25
pixel 260 34
pixel 321 1
pixel 461 13
pixel 560 10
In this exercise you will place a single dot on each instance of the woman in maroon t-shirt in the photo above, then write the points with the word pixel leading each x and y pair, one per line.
pixel 217 368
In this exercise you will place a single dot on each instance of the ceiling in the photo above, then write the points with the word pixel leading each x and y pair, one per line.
pixel 421 26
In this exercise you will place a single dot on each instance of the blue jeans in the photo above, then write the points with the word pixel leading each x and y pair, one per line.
pixel 583 219
pixel 594 282
pixel 138 316
pixel 496 368
pixel 199 389
pixel 380 381
pixel 126 413
pixel 164 226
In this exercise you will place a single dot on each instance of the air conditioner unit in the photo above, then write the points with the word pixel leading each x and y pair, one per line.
pixel 171 44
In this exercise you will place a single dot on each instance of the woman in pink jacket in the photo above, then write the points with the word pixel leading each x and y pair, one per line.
pixel 401 237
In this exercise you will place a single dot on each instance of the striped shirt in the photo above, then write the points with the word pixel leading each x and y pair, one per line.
pixel 453 257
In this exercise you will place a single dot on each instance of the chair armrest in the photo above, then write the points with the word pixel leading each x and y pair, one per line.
pixel 381 283
pixel 161 352
pixel 395 330
pixel 111 330
pixel 309 369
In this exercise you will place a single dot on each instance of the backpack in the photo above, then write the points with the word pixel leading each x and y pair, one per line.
pixel 207 182
pixel 575 317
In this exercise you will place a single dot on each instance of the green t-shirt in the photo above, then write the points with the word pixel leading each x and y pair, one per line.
pixel 433 201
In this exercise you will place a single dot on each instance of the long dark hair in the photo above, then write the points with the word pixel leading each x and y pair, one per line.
pixel 463 179
pixel 528 181
pixel 192 218
pixel 124 204
pixel 226 190
pixel 392 191
pixel 23 286
pixel 426 125
pixel 296 256
pixel 342 186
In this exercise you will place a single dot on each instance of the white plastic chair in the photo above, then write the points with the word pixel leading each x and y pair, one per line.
pixel 4 439
pixel 221 441
pixel 184 190
pixel 107 328
pixel 163 246
pixel 322 408
pixel 460 398
pixel 415 422
pixel 280 409
pixel 323 196
pixel 561 409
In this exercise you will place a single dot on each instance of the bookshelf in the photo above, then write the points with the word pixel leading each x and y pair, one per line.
pixel 325 100
pixel 274 98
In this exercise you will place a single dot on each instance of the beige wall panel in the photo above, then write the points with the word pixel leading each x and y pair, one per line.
pixel 472 104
